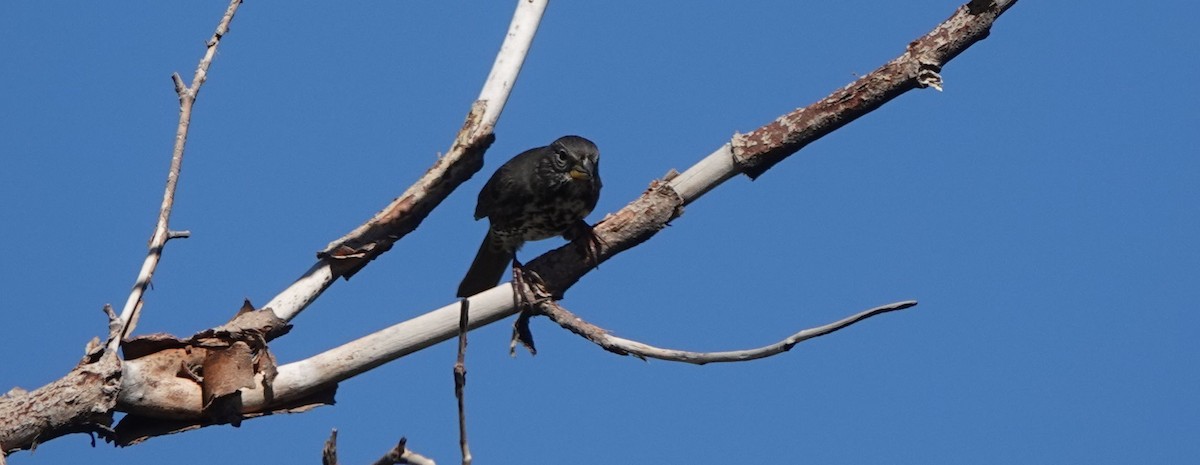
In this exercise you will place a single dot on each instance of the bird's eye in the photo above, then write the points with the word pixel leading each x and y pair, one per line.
pixel 560 156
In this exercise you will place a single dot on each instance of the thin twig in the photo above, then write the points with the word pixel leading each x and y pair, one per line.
pixel 398 455
pixel 329 452
pixel 187 98
pixel 460 380
pixel 402 455
pixel 621 346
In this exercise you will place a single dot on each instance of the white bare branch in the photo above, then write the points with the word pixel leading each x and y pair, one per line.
pixel 344 256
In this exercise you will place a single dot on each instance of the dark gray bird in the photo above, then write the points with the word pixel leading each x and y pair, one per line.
pixel 541 193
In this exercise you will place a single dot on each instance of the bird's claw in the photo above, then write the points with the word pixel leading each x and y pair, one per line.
pixel 592 243
pixel 529 291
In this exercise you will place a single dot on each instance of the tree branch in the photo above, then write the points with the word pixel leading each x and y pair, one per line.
pixel 662 202
pixel 755 152
pixel 350 253
pixel 397 456
pixel 918 67
pixel 187 98
pixel 25 416
pixel 80 402
pixel 621 346
pixel 84 399
pixel 460 381
pixel 169 397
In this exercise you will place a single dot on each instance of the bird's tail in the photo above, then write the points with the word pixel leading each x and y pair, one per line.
pixel 487 269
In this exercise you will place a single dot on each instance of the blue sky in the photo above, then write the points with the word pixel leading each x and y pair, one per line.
pixel 1043 210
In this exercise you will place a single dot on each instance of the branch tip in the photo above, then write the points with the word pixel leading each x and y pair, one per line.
pixel 460 380
pixel 621 346
pixel 180 87
pixel 329 452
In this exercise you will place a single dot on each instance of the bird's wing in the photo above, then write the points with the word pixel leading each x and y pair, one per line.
pixel 509 185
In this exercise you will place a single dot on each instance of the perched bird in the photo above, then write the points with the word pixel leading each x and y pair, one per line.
pixel 541 193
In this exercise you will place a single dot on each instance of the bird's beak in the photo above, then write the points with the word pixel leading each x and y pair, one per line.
pixel 580 173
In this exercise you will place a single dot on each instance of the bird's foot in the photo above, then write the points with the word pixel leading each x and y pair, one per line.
pixel 529 291
pixel 591 244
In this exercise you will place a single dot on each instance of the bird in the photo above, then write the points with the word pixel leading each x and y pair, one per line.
pixel 540 193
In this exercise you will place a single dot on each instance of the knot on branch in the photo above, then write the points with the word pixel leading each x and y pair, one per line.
pixel 929 74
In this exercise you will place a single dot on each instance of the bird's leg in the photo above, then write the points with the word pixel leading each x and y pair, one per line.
pixel 527 296
pixel 521 334
pixel 529 287
pixel 592 244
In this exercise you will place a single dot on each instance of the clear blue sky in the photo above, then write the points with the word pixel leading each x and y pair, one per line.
pixel 1043 210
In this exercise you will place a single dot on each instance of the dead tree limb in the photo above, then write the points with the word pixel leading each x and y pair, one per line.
pixel 637 222
pixel 757 151
pixel 154 392
pixel 84 399
pixel 347 255
pixel 752 154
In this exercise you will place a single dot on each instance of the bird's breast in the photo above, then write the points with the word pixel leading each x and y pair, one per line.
pixel 541 220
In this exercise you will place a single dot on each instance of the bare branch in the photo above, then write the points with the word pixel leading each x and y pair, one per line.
pixel 460 381
pixel 176 397
pixel 348 254
pixel 919 67
pixel 755 152
pixel 400 455
pixel 397 456
pixel 621 346
pixel 171 398
pixel 187 98
pixel 329 452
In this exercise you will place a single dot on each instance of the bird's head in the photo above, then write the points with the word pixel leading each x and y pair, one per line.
pixel 576 158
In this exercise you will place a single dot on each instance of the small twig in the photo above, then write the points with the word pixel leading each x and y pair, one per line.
pixel 402 455
pixel 398 455
pixel 329 452
pixel 187 98
pixel 621 346
pixel 460 379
